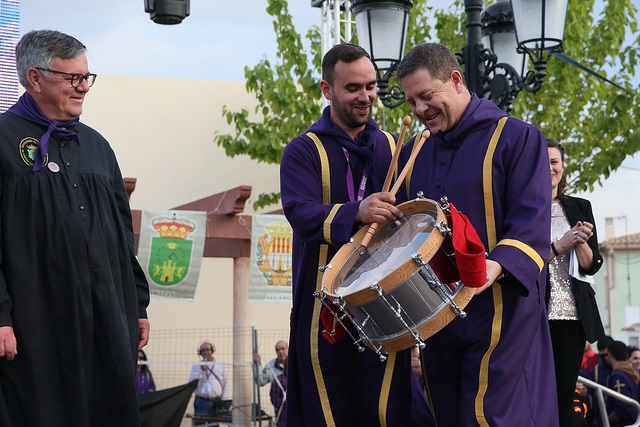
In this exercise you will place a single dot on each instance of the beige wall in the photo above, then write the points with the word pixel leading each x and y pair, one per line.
pixel 162 132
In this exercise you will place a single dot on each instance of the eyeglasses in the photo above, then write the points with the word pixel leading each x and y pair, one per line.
pixel 76 78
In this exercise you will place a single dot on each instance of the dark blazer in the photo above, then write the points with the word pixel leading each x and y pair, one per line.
pixel 578 209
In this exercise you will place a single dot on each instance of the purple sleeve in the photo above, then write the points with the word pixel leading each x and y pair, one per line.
pixel 526 206
pixel 301 191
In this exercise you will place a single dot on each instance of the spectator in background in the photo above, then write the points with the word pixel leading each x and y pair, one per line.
pixel 599 374
pixel 634 358
pixel 580 406
pixel 275 367
pixel 571 303
pixel 278 394
pixel 589 358
pixel 624 379
pixel 212 380
pixel 144 379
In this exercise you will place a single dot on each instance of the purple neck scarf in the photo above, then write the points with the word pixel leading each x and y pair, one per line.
pixel 27 108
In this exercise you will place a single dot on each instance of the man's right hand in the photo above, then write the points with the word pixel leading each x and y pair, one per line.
pixel 378 208
pixel 8 343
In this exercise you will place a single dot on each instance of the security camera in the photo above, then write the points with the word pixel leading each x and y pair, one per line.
pixel 167 12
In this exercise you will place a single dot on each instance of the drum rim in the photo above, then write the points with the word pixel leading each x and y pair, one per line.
pixel 398 276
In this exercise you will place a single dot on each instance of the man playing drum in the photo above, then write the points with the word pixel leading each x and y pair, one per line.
pixel 494 367
pixel 329 178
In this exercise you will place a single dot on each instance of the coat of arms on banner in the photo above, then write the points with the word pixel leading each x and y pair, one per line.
pixel 273 254
pixel 170 251
pixel 270 272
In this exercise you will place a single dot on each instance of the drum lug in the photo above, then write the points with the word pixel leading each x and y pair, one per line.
pixel 443 228
pixel 341 303
pixel 444 204
pixel 323 268
pixel 435 285
pixel 375 287
pixel 420 195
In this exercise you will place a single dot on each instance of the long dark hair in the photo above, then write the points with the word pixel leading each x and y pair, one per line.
pixel 562 185
pixel 145 367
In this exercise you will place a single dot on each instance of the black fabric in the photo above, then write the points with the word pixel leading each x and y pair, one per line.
pixel 70 284
pixel 165 408
pixel 567 339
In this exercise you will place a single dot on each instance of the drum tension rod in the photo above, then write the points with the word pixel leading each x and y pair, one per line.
pixel 397 311
pixel 342 306
pixel 435 285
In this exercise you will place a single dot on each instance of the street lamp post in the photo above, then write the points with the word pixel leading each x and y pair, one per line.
pixel 382 30
pixel 500 38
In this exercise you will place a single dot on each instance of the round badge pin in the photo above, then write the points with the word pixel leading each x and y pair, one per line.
pixel 53 167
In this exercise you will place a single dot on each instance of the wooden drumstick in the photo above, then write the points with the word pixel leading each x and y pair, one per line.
pixel 396 154
pixel 373 227
pixel 425 134
pixel 392 167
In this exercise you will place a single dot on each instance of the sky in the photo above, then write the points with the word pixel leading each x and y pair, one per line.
pixel 219 39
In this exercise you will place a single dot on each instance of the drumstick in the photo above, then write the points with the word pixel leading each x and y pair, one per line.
pixel 425 134
pixel 392 167
pixel 396 154
pixel 372 228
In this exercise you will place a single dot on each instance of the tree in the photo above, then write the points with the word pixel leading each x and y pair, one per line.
pixel 596 122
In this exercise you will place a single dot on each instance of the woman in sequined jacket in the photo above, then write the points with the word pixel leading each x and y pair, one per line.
pixel 571 304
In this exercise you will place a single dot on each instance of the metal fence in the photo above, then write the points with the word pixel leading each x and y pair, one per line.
pixel 172 352
pixel 600 391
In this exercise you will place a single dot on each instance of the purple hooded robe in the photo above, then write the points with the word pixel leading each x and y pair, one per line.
pixel 494 367
pixel 335 384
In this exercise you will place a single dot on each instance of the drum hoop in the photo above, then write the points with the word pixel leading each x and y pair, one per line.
pixel 398 276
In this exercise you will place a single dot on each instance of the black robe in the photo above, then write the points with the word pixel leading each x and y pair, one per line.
pixel 70 284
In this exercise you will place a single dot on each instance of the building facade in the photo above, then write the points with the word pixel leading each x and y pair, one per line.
pixel 9 36
pixel 616 285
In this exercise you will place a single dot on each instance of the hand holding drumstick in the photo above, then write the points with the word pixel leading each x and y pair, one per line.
pixel 401 177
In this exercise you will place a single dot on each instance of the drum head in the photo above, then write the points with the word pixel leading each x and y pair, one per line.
pixel 387 261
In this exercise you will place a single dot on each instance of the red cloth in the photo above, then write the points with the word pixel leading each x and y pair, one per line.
pixel 589 360
pixel 469 250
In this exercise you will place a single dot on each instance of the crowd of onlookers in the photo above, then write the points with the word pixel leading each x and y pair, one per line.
pixel 616 366
pixel 212 390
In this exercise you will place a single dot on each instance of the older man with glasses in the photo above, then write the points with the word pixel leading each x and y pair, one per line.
pixel 73 297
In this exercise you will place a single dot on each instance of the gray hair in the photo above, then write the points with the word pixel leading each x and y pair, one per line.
pixel 38 49
pixel 434 57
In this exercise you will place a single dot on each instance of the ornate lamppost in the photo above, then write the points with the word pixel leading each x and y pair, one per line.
pixel 500 39
pixel 382 30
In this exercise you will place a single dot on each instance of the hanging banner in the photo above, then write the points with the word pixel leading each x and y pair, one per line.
pixel 270 271
pixel 170 251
